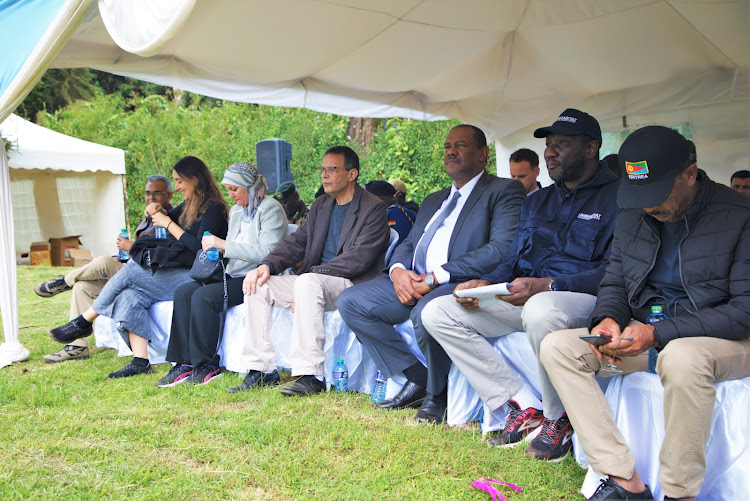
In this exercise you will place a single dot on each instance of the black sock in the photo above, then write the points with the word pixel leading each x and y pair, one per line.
pixel 140 362
pixel 81 322
pixel 417 374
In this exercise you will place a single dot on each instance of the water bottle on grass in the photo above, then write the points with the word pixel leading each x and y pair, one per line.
pixel 657 315
pixel 340 376
pixel 123 255
pixel 213 253
pixel 378 392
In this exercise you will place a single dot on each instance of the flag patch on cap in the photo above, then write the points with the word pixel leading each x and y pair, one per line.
pixel 636 168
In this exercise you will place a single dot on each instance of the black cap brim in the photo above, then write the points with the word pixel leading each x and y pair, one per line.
pixel 631 196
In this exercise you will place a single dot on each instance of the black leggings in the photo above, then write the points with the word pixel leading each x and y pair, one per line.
pixel 196 318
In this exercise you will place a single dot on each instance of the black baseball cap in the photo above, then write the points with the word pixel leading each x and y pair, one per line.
pixel 650 159
pixel 572 122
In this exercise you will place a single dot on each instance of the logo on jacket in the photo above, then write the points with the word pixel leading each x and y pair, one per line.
pixel 589 217
pixel 637 170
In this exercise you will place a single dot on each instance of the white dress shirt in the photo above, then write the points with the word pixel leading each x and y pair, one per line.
pixel 437 252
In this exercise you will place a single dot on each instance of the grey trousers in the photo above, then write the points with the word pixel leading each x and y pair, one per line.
pixel 688 367
pixel 462 334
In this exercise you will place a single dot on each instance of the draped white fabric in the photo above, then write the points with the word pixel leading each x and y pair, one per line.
pixel 11 350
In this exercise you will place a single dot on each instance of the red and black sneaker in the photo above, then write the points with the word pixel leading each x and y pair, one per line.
pixel 522 425
pixel 554 441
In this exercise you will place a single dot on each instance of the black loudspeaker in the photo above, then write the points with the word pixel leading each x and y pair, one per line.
pixel 272 160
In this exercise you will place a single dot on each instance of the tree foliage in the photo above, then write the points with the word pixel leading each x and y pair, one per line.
pixel 156 130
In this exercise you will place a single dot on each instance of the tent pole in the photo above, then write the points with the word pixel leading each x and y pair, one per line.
pixel 11 350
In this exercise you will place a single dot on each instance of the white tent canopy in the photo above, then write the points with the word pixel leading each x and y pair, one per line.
pixel 505 66
pixel 63 186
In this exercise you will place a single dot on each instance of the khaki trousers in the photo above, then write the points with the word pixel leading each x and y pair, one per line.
pixel 87 282
pixel 313 294
pixel 688 367
pixel 462 333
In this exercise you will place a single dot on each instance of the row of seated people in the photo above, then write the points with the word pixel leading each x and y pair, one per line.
pixel 681 242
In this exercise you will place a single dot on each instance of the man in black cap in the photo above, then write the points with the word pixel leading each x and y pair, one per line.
pixel 295 208
pixel 400 218
pixel 553 269
pixel 682 243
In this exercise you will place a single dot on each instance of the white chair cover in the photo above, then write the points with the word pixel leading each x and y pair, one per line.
pixel 637 401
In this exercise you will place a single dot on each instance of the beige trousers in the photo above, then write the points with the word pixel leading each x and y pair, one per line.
pixel 313 294
pixel 87 282
pixel 688 367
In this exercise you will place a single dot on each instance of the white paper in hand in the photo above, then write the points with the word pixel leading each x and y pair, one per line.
pixel 486 293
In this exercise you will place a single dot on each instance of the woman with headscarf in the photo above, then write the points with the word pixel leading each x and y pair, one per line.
pixel 256 224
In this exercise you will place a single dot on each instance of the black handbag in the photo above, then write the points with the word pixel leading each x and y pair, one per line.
pixel 206 271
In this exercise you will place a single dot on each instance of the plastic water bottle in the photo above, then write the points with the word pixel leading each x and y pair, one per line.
pixel 160 232
pixel 378 393
pixel 123 255
pixel 656 315
pixel 213 253
pixel 340 376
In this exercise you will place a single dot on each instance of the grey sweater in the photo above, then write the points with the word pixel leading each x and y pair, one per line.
pixel 268 227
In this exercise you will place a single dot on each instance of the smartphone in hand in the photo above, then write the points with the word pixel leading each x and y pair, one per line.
pixel 598 340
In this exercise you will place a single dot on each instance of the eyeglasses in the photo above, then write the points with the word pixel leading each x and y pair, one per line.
pixel 329 170
pixel 155 193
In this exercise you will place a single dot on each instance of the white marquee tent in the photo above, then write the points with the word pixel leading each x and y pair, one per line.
pixel 506 66
pixel 63 186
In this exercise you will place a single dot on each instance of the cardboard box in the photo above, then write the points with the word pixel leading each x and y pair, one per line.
pixel 40 253
pixel 79 257
pixel 61 247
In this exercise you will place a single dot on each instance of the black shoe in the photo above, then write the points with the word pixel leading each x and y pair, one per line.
pixel 131 370
pixel 203 374
pixel 433 409
pixel 609 489
pixel 304 386
pixel 256 379
pixel 67 333
pixel 52 287
pixel 410 396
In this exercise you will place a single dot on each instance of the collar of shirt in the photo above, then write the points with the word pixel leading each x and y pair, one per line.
pixel 437 252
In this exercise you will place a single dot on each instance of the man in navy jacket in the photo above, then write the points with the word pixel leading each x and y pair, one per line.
pixel 460 232
pixel 553 269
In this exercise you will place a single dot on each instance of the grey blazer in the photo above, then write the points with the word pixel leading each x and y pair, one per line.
pixel 484 230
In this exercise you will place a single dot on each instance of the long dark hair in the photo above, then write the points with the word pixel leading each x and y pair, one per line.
pixel 206 190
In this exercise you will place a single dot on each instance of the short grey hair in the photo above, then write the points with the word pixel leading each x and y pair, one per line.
pixel 158 177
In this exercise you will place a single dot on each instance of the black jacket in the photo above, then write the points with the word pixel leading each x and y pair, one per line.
pixel 714 258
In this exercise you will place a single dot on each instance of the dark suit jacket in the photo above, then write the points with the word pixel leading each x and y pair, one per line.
pixel 484 230
pixel 362 245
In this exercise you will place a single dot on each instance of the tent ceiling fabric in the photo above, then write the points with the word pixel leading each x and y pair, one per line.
pixel 500 65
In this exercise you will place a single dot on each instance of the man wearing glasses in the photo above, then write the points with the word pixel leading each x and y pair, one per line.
pixel 88 280
pixel 341 242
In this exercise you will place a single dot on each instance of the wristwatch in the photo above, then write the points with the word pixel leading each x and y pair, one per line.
pixel 552 286
pixel 430 281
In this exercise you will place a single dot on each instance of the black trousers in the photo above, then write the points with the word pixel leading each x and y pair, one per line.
pixel 195 320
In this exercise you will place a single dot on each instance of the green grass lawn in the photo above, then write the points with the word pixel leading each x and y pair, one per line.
pixel 68 432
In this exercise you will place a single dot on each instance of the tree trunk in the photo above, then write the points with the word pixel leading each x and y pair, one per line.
pixel 361 130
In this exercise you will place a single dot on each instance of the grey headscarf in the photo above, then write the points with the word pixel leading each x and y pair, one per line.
pixel 245 175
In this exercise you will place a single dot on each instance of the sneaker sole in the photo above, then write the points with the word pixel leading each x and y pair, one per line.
pixel 531 455
pixel 173 383
pixel 48 361
pixel 525 440
pixel 205 382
